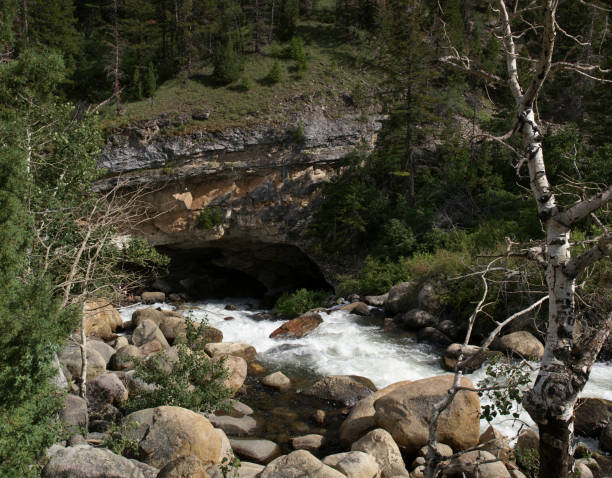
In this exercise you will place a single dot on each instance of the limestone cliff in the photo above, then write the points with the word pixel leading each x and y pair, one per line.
pixel 239 189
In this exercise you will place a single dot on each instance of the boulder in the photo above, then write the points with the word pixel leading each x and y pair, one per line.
pixel 592 415
pixel 188 466
pixel 238 349
pixel 605 439
pixel 528 440
pixel 496 443
pixel 166 433
pixel 84 460
pixel 361 419
pixel 277 380
pixel 429 298
pixel 74 413
pixel 448 328
pixel 105 350
pixel 299 464
pixel 399 298
pixel 136 384
pixel 147 331
pixel 522 344
pixel 347 389
pixel 298 327
pixel 106 388
pixel 473 464
pixel 101 319
pixel 152 297
pixel 238 409
pixel 70 357
pixel 434 336
pixel 235 427
pixel 59 380
pixel 123 359
pixel 150 348
pixel 154 315
pixel 119 342
pixel 172 327
pixel 380 445
pixel 444 450
pixel 261 451
pixel 237 370
pixel 357 308
pixel 354 464
pixel 473 357
pixel 320 417
pixel 376 300
pixel 311 442
pixel 246 470
pixel 405 413
pixel 418 318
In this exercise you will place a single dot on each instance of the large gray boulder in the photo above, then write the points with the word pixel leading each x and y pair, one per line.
pixel 347 389
pixel 125 358
pixel 522 344
pixel 147 331
pixel 107 388
pixel 154 315
pixel 418 318
pixel 354 464
pixel 105 350
pixel 85 461
pixel 299 464
pixel 400 297
pixel 234 426
pixel 405 414
pixel 166 433
pixel 261 451
pixel 74 413
pixel 70 357
pixel 239 349
pixel 380 445
pixel 592 416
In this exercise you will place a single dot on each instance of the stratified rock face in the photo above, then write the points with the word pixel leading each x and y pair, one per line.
pixel 259 186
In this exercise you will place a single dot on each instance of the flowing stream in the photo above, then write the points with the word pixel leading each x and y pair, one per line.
pixel 346 344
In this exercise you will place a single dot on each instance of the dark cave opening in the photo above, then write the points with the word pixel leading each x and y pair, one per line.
pixel 226 269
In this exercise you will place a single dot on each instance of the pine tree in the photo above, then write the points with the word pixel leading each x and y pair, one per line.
pixel 228 65
pixel 151 81
pixel 275 74
pixel 287 19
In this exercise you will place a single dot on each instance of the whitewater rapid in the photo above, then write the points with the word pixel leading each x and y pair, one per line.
pixel 345 344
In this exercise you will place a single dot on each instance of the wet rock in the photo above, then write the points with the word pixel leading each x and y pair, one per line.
pixel 166 433
pixel 357 308
pixel 592 415
pixel 230 307
pixel 361 418
pixel 152 297
pixel 381 446
pixel 261 451
pixel 238 409
pixel 277 380
pixel 522 344
pixel 234 427
pixel 300 463
pixel 238 349
pixel 123 359
pixel 346 389
pixel 255 368
pixel 354 464
pixel 399 298
pixel 148 331
pixel 405 411
pixel 298 327
pixel 84 460
pixel 188 466
pixel 311 442
pixel 473 465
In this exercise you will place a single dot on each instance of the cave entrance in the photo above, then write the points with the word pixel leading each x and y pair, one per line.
pixel 262 271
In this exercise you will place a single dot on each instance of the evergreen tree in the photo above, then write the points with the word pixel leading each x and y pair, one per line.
pixel 53 25
pixel 275 74
pixel 151 81
pixel 228 65
pixel 287 19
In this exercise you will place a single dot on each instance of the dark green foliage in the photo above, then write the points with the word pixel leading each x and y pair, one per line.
pixel 141 253
pixel 209 218
pixel 137 85
pixel 275 74
pixel 228 65
pixel 297 53
pixel 288 17
pixel 290 305
pixel 150 81
pixel 195 381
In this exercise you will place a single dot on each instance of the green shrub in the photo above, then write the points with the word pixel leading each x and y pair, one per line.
pixel 297 53
pixel 292 304
pixel 275 74
pixel 208 218
pixel 227 62
pixel 194 381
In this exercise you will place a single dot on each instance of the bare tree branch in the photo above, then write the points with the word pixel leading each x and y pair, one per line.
pixel 582 209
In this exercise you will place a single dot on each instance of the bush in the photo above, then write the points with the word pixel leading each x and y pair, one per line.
pixel 297 53
pixel 208 218
pixel 227 62
pixel 195 381
pixel 292 304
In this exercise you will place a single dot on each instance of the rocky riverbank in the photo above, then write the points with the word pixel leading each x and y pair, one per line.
pixel 280 425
